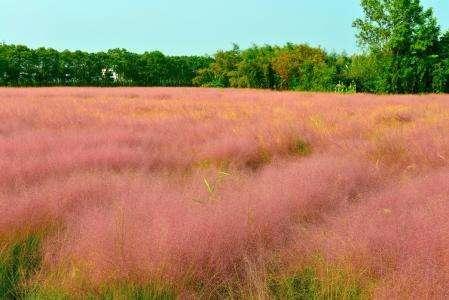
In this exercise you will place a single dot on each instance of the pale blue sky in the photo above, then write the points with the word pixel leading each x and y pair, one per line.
pixel 183 27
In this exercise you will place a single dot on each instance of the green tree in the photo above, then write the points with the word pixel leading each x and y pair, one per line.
pixel 221 70
pixel 441 69
pixel 302 67
pixel 123 65
pixel 367 72
pixel 182 70
pixel 48 72
pixel 3 65
pixel 153 68
pixel 255 69
pixel 408 33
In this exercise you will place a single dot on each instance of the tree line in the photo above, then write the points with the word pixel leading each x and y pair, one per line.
pixel 403 51
pixel 22 66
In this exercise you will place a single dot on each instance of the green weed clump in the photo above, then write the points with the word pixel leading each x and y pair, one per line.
pixel 309 284
pixel 18 263
pixel 300 148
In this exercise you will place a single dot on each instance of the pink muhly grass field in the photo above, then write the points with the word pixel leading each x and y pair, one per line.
pixel 226 193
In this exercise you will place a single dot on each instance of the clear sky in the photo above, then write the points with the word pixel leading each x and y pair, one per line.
pixel 183 26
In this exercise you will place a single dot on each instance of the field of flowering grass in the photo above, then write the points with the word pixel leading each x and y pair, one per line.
pixel 204 193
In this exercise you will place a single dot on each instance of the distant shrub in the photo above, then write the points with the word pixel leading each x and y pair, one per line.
pixel 344 89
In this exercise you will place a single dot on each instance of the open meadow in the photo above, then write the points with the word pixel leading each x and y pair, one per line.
pixel 211 193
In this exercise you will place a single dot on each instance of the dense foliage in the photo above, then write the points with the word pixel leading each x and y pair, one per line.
pixel 404 51
pixel 22 66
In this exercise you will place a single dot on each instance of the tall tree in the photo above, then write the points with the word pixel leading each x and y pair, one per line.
pixel 48 71
pixel 222 70
pixel 441 69
pixel 405 31
pixel 3 64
